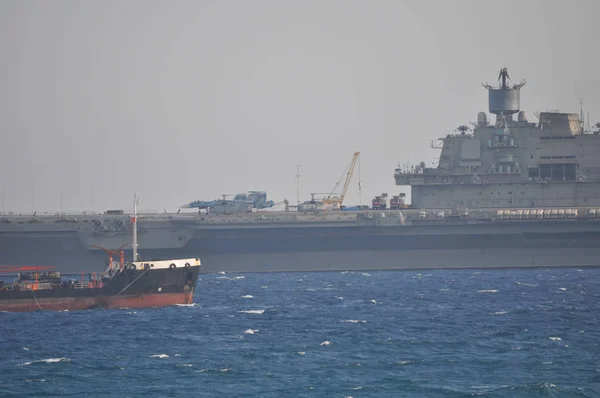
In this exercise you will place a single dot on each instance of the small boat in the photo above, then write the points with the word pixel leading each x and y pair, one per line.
pixel 135 284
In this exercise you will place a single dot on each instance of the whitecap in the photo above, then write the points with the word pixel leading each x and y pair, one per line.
pixel 403 362
pixel 49 360
pixel 526 284
pixel 251 331
pixel 555 338
pixel 326 342
pixel 247 296
pixel 301 353
pixel 354 321
pixel 186 305
pixel 500 312
pixel 263 287
pixel 374 301
pixel 25 348
pixel 222 272
pixel 562 288
pixel 487 291
pixel 224 370
pixel 259 312
pixel 239 277
pixel 184 365
pixel 159 356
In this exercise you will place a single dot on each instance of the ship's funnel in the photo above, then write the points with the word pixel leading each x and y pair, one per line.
pixel 504 99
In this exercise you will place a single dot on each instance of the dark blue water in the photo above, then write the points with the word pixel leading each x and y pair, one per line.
pixel 443 333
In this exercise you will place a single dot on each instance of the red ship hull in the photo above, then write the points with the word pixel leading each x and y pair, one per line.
pixel 131 288
pixel 73 304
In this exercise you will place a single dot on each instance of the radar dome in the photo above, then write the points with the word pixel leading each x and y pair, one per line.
pixel 481 119
pixel 522 116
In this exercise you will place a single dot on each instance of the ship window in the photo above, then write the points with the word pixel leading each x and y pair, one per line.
pixel 534 172
pixel 558 171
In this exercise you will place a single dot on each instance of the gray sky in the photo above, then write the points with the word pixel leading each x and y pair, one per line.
pixel 185 100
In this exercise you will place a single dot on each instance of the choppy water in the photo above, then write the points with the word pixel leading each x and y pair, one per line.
pixel 442 333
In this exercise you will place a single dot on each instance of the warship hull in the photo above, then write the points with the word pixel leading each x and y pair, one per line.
pixel 425 245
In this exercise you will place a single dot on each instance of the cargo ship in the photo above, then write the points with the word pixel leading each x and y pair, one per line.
pixel 135 284
pixel 507 192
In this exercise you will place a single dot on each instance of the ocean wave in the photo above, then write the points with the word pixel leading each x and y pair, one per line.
pixel 49 360
pixel 525 284
pixel 257 312
pixel 159 356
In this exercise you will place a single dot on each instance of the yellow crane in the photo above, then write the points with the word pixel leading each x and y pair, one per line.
pixel 336 201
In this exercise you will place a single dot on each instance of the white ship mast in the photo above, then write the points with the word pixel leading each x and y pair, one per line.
pixel 134 221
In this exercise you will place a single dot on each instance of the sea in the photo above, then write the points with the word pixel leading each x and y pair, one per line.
pixel 426 333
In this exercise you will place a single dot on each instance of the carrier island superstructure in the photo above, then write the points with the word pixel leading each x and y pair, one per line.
pixel 511 163
pixel 509 193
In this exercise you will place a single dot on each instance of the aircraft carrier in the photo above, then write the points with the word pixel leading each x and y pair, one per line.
pixel 506 193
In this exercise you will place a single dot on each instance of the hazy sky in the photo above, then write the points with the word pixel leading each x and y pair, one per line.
pixel 185 100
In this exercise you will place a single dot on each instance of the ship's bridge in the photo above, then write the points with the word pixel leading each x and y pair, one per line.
pixel 508 162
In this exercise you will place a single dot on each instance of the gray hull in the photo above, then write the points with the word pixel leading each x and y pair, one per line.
pixel 445 244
